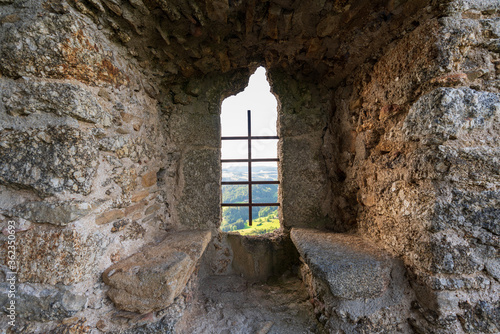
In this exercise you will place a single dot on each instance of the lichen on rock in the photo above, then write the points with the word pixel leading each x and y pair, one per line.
pixel 55 45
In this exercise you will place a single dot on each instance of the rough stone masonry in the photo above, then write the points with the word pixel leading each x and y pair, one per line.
pixel 388 120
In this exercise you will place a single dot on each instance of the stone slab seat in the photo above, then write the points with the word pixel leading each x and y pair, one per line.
pixel 151 279
pixel 351 266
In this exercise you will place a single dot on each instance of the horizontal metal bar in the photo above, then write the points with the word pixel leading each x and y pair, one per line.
pixel 250 204
pixel 251 137
pixel 248 182
pixel 252 160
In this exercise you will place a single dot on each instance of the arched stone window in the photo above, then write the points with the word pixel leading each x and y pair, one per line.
pixel 249 162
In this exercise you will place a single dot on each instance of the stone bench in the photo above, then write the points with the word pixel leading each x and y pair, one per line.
pixel 151 279
pixel 355 287
pixel 352 267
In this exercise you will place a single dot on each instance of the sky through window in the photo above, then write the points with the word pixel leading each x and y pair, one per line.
pixel 256 97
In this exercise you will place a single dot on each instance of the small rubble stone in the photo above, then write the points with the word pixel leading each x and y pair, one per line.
pixel 133 231
pixel 149 179
pixel 134 208
pixel 120 225
pixel 139 196
pixel 109 216
pixel 152 209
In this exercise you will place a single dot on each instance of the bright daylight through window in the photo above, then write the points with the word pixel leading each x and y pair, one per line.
pixel 249 159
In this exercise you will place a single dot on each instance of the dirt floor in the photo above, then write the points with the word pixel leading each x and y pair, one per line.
pixel 230 304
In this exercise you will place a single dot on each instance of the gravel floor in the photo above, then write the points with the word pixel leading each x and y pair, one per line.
pixel 230 304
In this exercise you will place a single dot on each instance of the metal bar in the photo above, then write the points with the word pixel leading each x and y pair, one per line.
pixel 250 204
pixel 249 120
pixel 252 160
pixel 251 137
pixel 249 161
pixel 248 182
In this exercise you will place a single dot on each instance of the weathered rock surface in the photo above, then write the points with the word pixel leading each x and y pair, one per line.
pixel 230 304
pixel 56 255
pixel 58 213
pixel 345 292
pixel 259 258
pixel 48 160
pixel 484 317
pixel 55 45
pixel 26 97
pixel 152 279
pixel 303 172
pixel 448 113
pixel 203 192
pixel 201 37
pixel 353 267
pixel 39 302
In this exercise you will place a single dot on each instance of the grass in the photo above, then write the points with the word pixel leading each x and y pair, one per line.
pixel 260 226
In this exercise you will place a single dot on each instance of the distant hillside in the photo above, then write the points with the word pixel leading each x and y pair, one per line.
pixel 236 218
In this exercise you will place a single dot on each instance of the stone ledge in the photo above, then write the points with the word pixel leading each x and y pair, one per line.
pixel 151 279
pixel 352 267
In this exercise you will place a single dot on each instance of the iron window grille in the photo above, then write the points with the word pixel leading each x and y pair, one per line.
pixel 249 160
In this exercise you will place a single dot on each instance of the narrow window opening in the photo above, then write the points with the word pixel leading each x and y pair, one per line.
pixel 250 159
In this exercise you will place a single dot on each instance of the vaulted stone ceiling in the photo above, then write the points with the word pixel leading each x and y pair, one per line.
pixel 320 39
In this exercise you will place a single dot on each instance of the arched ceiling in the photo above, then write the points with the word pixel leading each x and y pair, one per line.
pixel 319 39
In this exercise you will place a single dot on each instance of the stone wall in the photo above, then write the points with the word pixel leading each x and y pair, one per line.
pixel 109 142
pixel 302 120
pixel 193 173
pixel 82 144
pixel 415 163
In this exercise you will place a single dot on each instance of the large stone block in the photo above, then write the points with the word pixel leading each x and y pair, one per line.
pixel 304 181
pixel 258 258
pixel 150 280
pixel 40 302
pixel 199 204
pixel 58 213
pixel 448 113
pixel 51 255
pixel 48 160
pixel 192 128
pixel 352 267
pixel 63 99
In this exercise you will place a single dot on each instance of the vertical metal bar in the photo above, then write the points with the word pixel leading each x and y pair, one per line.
pixel 249 120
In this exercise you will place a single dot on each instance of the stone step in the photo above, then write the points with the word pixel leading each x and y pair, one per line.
pixel 352 267
pixel 151 279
